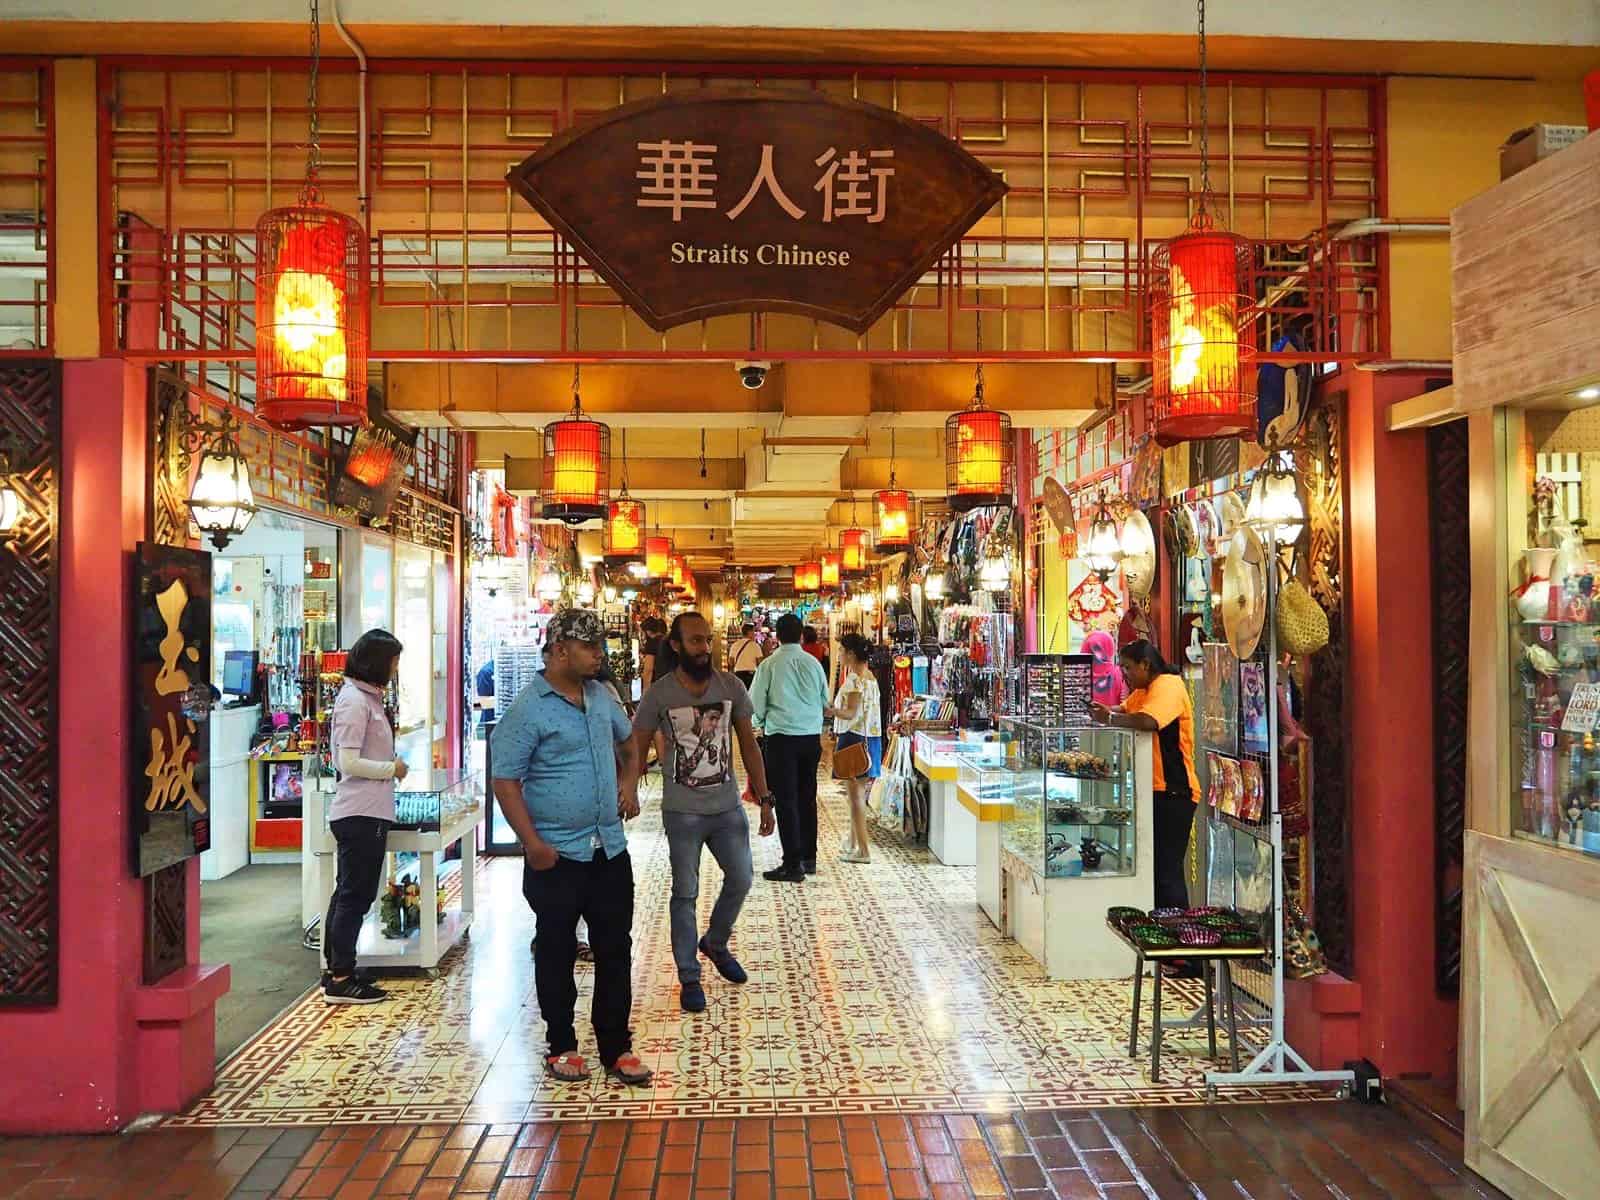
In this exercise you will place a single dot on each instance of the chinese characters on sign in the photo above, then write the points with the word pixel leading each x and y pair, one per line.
pixel 678 176
pixel 172 705
pixel 825 207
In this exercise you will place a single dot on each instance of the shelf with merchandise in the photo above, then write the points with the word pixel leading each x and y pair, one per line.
pixel 1074 796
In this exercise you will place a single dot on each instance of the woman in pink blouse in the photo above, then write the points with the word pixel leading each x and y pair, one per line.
pixel 362 810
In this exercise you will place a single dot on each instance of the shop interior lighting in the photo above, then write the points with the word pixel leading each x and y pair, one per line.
pixel 10 501
pixel 867 601
pixel 610 594
pixel 995 574
pixel 221 502
pixel 1589 393
pixel 933 585
pixel 891 592
pixel 1103 549
pixel 586 593
pixel 549 586
pixel 1276 506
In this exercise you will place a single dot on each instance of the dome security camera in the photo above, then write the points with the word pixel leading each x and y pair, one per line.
pixel 752 374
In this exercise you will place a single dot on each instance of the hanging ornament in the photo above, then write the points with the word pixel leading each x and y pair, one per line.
pixel 577 456
pixel 657 557
pixel 894 509
pixel 1203 341
pixel 311 305
pixel 979 451
pixel 829 562
pixel 854 545
pixel 808 576
pixel 625 517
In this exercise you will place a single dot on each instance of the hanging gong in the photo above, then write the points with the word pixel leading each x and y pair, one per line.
pixel 1244 592
pixel 1138 555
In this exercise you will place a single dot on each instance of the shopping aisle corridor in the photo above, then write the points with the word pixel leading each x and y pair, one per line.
pixel 873 988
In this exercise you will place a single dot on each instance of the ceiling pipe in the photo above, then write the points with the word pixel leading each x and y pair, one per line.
pixel 1408 364
pixel 362 199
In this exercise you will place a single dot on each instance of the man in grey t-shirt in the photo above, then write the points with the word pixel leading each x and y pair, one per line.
pixel 699 711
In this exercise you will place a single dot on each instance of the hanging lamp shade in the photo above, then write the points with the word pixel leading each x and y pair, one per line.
pixel 808 576
pixel 624 533
pixel 577 468
pixel 829 562
pixel 894 518
pixel 854 545
pixel 311 316
pixel 657 557
pixel 221 502
pixel 979 458
pixel 678 573
pixel 1202 340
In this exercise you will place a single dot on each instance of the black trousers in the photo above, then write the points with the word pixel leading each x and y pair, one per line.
pixel 792 775
pixel 745 677
pixel 1174 821
pixel 361 842
pixel 600 892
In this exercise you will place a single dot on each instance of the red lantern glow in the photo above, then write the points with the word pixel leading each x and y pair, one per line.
pixel 1202 341
pixel 829 563
pixel 680 574
pixel 624 529
pixel 658 557
pixel 311 317
pixel 808 577
pixel 894 519
pixel 577 469
pixel 853 547
pixel 979 463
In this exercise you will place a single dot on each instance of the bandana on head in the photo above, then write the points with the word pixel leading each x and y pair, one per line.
pixel 576 625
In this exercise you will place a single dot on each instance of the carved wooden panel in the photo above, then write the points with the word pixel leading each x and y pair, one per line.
pixel 30 428
pixel 166 922
pixel 168 521
pixel 1451 568
pixel 1322 463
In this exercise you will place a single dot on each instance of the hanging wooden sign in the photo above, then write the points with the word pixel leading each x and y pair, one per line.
pixel 737 200
pixel 1058 505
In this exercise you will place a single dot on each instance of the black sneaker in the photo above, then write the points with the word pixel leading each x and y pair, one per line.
pixel 692 997
pixel 784 875
pixel 808 865
pixel 354 990
pixel 726 964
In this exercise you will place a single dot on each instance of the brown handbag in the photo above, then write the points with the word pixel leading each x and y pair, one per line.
pixel 852 761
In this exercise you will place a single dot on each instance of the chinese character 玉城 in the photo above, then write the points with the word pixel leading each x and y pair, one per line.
pixel 169 770
pixel 844 185
pixel 677 175
pixel 769 177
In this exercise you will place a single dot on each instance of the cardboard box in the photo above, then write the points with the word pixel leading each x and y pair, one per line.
pixel 1528 146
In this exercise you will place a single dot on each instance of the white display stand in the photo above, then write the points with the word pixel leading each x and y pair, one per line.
pixel 991 817
pixel 952 830
pixel 229 786
pixel 1061 921
pixel 435 934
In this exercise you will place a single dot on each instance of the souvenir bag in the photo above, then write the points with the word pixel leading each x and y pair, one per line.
pixel 891 807
pixel 1302 625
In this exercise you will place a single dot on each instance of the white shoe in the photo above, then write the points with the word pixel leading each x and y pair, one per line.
pixel 852 855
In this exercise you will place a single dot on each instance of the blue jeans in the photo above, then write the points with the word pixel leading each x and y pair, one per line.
pixel 727 834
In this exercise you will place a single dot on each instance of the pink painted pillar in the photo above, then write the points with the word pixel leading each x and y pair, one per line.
pixel 110 1049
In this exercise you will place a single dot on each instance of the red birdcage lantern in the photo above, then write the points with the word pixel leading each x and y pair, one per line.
pixel 577 468
pixel 828 562
pixel 658 557
pixel 679 574
pixel 979 455
pixel 894 518
pixel 311 316
pixel 1203 353
pixel 853 549
pixel 808 577
pixel 624 533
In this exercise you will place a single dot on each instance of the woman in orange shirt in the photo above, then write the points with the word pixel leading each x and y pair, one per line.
pixel 1159 704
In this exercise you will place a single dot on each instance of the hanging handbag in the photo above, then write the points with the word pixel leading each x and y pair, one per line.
pixel 852 761
pixel 1302 625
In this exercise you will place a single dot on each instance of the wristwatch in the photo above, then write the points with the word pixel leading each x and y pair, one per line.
pixel 764 800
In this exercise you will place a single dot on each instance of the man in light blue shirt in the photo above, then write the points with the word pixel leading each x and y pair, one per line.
pixel 566 777
pixel 788 696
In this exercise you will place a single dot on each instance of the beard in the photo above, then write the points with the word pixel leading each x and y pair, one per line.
pixel 696 667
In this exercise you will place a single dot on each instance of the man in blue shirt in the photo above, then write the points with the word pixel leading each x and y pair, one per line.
pixel 788 696
pixel 566 777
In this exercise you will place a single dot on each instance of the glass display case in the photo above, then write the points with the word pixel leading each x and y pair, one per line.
pixel 431 800
pixel 1074 793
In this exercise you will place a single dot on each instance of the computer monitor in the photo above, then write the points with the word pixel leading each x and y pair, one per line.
pixel 239 673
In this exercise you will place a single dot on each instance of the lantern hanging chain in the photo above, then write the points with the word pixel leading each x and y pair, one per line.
pixel 891 457
pixel 624 460
pixel 977 298
pixel 311 190
pixel 1202 217
pixel 702 453
pixel 577 342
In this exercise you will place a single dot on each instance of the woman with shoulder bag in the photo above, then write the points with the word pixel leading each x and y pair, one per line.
pixel 858 724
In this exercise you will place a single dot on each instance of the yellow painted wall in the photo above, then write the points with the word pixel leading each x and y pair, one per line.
pixel 1444 140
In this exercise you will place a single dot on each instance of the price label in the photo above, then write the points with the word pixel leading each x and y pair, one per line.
pixel 1583 709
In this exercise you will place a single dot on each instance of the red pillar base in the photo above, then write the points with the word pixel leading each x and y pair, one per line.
pixel 177 1036
pixel 1322 1019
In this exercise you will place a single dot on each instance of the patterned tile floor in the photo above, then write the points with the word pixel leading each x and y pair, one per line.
pixel 873 989
pixel 1237 1152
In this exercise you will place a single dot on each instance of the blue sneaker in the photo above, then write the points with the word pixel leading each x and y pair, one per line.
pixel 726 964
pixel 692 997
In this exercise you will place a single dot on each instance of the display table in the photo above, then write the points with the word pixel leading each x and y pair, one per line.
pixel 1068 791
pixel 952 829
pixel 991 816
pixel 437 809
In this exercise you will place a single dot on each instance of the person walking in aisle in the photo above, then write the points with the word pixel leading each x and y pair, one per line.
pixel 362 810
pixel 745 655
pixel 699 710
pixel 788 697
pixel 566 777
pixel 857 720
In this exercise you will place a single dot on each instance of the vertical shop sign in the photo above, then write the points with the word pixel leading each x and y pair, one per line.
pixel 729 200
pixel 170 811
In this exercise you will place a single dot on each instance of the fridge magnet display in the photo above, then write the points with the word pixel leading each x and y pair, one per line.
pixel 1253 733
pixel 1219 707
pixel 170 809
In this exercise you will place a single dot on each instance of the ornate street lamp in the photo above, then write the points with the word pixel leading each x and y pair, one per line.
pixel 1103 548
pixel 1276 506
pixel 221 502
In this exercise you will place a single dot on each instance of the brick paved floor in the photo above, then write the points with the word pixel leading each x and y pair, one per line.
pixel 1242 1152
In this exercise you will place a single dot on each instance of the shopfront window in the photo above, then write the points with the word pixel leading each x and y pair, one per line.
pixel 414 628
pixel 1553 477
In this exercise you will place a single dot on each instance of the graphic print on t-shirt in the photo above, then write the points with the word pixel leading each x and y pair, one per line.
pixel 702 735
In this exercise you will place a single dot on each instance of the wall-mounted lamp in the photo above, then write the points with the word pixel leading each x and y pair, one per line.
pixel 221 503
pixel 10 501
